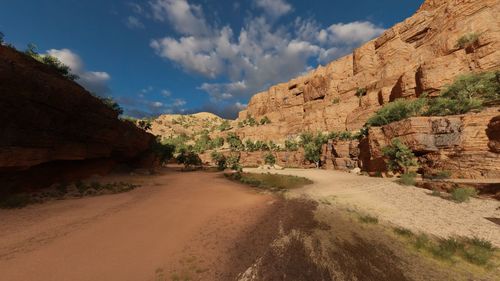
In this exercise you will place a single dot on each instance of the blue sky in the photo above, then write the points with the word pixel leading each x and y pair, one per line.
pixel 183 56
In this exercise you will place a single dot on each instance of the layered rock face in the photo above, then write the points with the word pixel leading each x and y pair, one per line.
pixel 419 55
pixel 464 145
pixel 53 129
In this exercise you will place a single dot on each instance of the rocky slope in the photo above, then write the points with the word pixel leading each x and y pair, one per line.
pixel 54 130
pixel 171 125
pixel 419 55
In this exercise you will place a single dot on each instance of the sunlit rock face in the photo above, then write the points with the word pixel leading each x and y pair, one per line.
pixel 419 55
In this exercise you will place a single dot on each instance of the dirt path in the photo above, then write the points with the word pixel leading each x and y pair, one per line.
pixel 409 207
pixel 176 224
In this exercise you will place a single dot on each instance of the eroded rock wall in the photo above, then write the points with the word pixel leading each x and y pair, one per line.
pixel 52 127
pixel 464 145
pixel 416 56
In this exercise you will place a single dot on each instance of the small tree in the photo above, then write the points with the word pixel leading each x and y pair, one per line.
pixel 218 142
pixel 112 104
pixel 251 121
pixel 219 159
pixel 269 159
pixel 234 141
pixel 360 92
pixel 400 158
pixel 164 151
pixel 189 159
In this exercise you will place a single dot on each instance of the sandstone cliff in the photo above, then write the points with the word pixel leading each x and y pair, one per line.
pixel 52 129
pixel 416 56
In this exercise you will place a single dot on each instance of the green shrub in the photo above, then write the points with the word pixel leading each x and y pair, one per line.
pixel 250 146
pixel 346 135
pixel 468 92
pixel 144 124
pixel 233 162
pixel 400 157
pixel 438 175
pixel 189 159
pixel 217 142
pixel 269 159
pixel 51 61
pixel 361 92
pixel 446 248
pixel 265 120
pixel 422 241
pixel 403 231
pixel 113 105
pixel 234 141
pixel 251 121
pixel 224 126
pixel 291 145
pixel 164 151
pixel 368 219
pixel 336 100
pixel 398 110
pixel 408 179
pixel 467 40
pixel 219 159
pixel 463 194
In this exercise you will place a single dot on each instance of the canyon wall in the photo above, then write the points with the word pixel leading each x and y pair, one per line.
pixel 419 55
pixel 54 130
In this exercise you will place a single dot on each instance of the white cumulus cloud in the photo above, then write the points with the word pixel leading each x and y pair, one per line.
pixel 94 81
pixel 274 8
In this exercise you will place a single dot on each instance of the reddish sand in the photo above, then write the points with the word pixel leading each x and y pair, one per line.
pixel 176 223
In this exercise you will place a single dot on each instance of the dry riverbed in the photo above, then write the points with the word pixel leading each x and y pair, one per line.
pixel 202 226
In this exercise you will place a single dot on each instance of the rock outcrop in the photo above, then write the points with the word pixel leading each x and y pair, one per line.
pixel 460 144
pixel 54 130
pixel 419 55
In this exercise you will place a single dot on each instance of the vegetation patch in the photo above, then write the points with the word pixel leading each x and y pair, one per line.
pixel 368 219
pixel 400 158
pixel 471 92
pixel 408 179
pixel 271 182
pixel 463 194
pixel 64 191
pixel 468 40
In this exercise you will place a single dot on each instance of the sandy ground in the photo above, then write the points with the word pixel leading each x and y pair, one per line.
pixel 176 223
pixel 409 207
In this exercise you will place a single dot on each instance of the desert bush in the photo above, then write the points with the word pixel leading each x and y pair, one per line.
pixel 112 104
pixel 269 159
pixel 291 145
pixel 398 110
pixel 217 142
pixel 345 135
pixel 233 162
pixel 164 151
pixel 438 175
pixel 234 141
pixel 272 146
pixel 400 157
pixel 265 120
pixel 467 40
pixel 403 231
pixel 361 92
pixel 203 143
pixel 219 159
pixel 408 178
pixel 51 61
pixel 189 159
pixel 224 126
pixel 468 92
pixel 368 219
pixel 336 100
pixel 463 194
pixel 250 146
pixel 144 124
